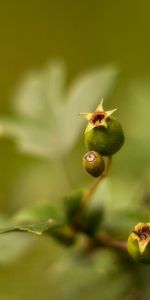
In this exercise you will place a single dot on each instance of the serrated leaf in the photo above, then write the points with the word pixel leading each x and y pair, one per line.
pixel 47 121
pixel 32 139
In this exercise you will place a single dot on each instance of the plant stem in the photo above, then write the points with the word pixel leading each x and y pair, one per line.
pixel 104 240
pixel 108 241
pixel 89 193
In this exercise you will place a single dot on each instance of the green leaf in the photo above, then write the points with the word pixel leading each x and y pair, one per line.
pixel 122 221
pixel 39 219
pixel 46 118
pixel 39 213
pixel 37 228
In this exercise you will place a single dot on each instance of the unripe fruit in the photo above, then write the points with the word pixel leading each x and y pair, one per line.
pixel 139 243
pixel 104 133
pixel 105 140
pixel 93 163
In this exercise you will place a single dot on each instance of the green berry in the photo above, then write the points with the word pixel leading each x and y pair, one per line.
pixel 93 163
pixel 139 243
pixel 104 133
pixel 105 140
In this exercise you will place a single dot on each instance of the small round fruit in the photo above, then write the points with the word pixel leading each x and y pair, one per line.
pixel 139 243
pixel 105 140
pixel 93 163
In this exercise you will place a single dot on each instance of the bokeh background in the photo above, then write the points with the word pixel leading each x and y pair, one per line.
pixel 111 37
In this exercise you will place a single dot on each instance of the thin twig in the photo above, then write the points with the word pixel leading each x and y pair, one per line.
pixel 89 193
pixel 108 241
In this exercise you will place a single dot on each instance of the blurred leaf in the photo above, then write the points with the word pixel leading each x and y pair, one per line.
pixel 139 104
pixel 46 120
pixel 133 159
pixel 121 222
pixel 38 213
pixel 37 228
pixel 39 219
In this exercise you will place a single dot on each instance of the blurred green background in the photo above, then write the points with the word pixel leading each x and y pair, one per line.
pixel 84 35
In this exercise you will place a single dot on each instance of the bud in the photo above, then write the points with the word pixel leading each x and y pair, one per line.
pixel 139 243
pixel 104 133
pixel 64 235
pixel 93 163
pixel 91 220
pixel 87 220
pixel 72 205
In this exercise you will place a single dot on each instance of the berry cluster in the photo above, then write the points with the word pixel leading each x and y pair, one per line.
pixel 103 137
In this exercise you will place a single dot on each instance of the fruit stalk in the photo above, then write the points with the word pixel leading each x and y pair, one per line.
pixel 90 191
